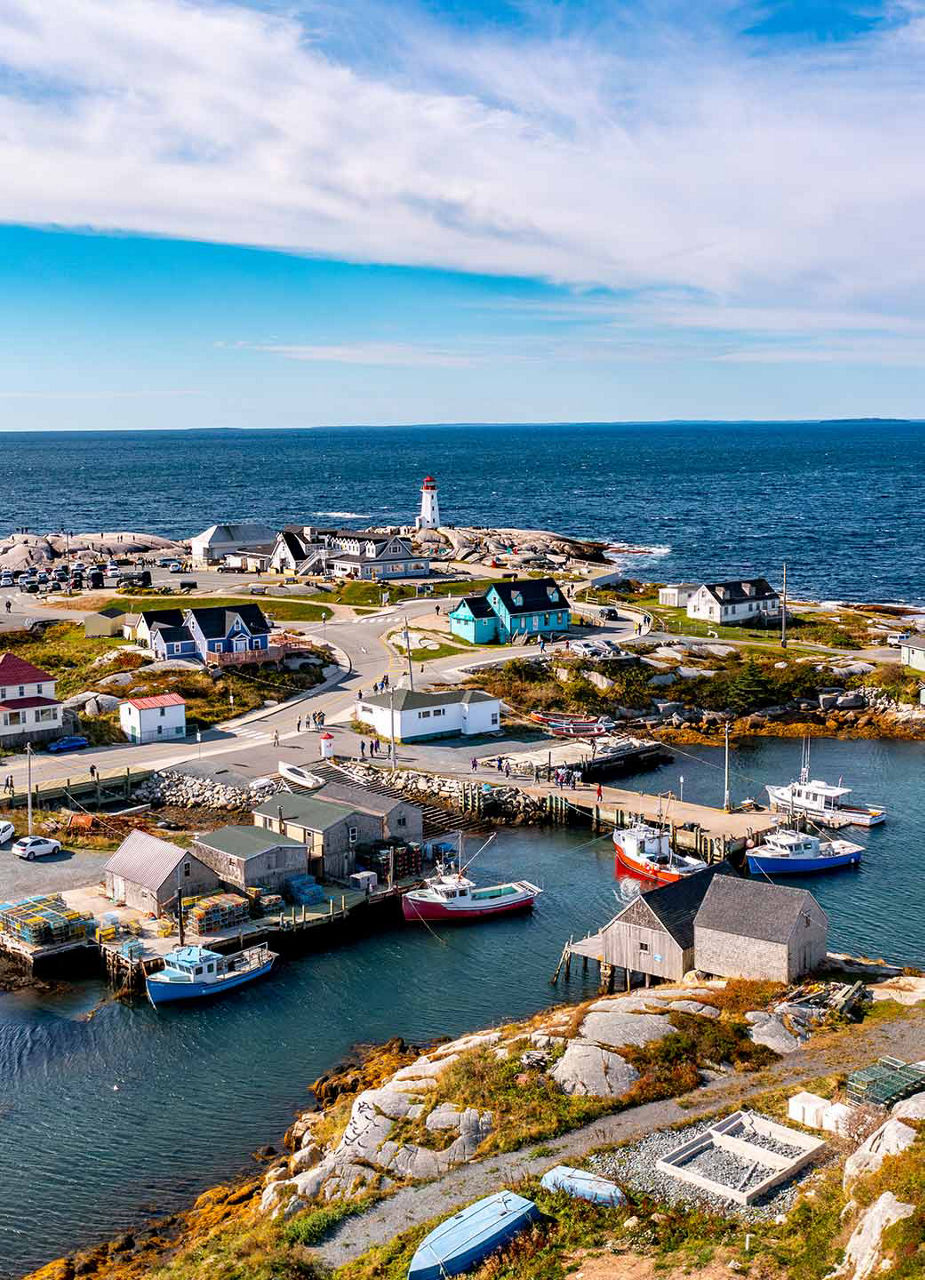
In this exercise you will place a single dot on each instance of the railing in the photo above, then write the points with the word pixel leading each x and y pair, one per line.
pixel 241 656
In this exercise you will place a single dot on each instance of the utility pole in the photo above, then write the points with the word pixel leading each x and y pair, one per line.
pixel 726 805
pixel 783 612
pixel 29 788
pixel 408 656
pixel 392 718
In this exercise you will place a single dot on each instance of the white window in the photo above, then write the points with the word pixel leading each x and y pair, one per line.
pixel 352 835
pixel 494 719
pixel 423 715
pixel 45 715
pixel 14 717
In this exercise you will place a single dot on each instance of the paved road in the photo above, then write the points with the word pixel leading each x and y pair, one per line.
pixel 249 742
pixel 904 1039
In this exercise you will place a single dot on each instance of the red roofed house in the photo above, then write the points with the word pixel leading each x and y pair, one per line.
pixel 29 710
pixel 160 717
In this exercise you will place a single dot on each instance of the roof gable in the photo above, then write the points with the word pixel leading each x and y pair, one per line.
pixel 528 595
pixel 313 812
pixel 673 907
pixel 146 860
pixel 245 842
pixel 754 909
pixel 15 670
pixel 741 590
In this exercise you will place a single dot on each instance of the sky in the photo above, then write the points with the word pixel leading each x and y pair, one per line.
pixel 294 214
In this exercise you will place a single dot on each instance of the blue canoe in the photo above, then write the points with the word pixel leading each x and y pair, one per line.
pixel 582 1185
pixel 467 1238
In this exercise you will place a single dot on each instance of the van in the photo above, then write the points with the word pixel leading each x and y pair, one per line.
pixel 897 638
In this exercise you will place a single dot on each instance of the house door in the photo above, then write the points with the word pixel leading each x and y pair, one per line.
pixel 118 889
pixel 240 644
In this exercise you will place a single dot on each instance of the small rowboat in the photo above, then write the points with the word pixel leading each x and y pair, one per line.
pixel 647 851
pixel 466 1239
pixel 582 1185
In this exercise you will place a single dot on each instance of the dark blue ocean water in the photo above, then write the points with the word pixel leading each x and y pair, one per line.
pixel 842 503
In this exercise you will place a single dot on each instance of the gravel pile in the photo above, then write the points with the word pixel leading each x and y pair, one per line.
pixel 731 1170
pixel 633 1167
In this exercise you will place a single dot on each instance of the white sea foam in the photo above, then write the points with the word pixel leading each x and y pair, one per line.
pixel 341 515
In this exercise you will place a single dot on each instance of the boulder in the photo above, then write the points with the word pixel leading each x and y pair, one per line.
pixel 863 1252
pixel 613 1027
pixel 910 1108
pixel 694 1006
pixel 890 1139
pixel 772 1033
pixel 587 1070
pixel 695 673
pixel 850 702
pixel 663 680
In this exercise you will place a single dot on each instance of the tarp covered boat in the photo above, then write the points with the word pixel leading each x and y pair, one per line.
pixel 466 1239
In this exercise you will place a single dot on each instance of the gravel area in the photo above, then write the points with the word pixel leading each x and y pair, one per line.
pixel 633 1166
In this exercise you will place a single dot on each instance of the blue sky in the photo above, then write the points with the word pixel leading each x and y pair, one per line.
pixel 283 214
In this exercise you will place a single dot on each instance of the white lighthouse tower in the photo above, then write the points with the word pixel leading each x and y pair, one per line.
pixel 430 506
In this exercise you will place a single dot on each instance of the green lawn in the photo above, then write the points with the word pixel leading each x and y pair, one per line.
pixel 371 593
pixel 68 655
pixel 273 606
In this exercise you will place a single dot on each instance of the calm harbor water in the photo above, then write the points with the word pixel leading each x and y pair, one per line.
pixel 840 502
pixel 106 1119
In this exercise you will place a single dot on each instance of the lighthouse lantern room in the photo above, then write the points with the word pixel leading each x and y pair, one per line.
pixel 430 506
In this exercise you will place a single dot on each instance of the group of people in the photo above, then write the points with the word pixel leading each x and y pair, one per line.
pixel 373 748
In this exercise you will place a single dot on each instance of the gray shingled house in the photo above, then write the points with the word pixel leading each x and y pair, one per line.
pixel 145 873
pixel 248 857
pixel 752 929
pixel 334 821
pixel 654 934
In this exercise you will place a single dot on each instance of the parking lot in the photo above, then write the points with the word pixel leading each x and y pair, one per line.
pixel 64 870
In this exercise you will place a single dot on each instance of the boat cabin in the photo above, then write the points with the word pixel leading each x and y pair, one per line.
pixel 192 964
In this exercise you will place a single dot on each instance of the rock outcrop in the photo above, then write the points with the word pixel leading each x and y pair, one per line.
pixel 892 1138
pixel 864 1251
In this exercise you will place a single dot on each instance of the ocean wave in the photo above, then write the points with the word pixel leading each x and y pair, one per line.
pixel 342 515
pixel 615 550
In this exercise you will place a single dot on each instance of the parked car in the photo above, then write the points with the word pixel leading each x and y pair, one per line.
pixel 6 580
pixel 30 847
pixel 41 576
pixel 175 567
pixel 897 638
pixel 610 614
pixel 71 742
pixel 165 562
pixel 7 831
pixel 31 586
pixel 226 568
pixel 95 580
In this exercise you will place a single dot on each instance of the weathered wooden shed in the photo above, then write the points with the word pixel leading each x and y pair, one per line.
pixel 146 873
pixel 654 934
pixel 753 929
pixel 247 857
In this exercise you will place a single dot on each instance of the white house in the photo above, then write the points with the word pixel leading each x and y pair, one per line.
pixel 912 653
pixel 29 710
pixel 430 715
pixel 751 600
pixel 676 594
pixel 219 540
pixel 375 557
pixel 157 718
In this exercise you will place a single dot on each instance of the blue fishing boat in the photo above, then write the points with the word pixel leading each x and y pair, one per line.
pixel 194 973
pixel 467 1238
pixel 793 853
pixel 582 1185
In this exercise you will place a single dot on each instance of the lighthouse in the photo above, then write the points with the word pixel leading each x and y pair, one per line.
pixel 430 507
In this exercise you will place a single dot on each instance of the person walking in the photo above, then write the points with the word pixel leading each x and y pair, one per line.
pixel 276 737
pixel 473 765
pixel 499 764
pixel 362 750
pixel 9 606
pixel 298 725
pixel 600 793
pixel 507 768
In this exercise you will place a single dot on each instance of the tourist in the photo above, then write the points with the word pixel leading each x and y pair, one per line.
pixel 9 606
pixel 362 750
pixel 507 768
pixel 600 793
pixel 499 764
pixel 298 725
pixel 473 764
pixel 574 779
pixel 276 737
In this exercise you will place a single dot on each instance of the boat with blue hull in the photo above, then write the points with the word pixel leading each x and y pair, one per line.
pixel 466 1239
pixel 582 1185
pixel 196 973
pixel 793 853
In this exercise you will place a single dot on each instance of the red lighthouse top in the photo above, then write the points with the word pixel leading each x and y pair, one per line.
pixel 429 480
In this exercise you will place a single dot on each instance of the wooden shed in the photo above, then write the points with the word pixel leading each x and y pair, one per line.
pixel 146 872
pixel 248 857
pixel 108 622
pixel 753 929
pixel 654 934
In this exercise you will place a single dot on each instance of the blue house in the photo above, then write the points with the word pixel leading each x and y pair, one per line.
pixel 510 612
pixel 214 635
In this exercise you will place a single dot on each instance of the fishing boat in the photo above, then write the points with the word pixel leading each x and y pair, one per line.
pixel 194 973
pixel 792 853
pixel 582 1185
pixel 470 1236
pixel 647 851
pixel 561 725
pixel 821 800
pixel 449 895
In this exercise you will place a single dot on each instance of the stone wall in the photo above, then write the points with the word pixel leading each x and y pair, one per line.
pixel 505 804
pixel 193 791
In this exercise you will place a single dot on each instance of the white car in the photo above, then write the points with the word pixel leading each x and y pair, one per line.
pixel 7 831
pixel 30 847
pixel 897 638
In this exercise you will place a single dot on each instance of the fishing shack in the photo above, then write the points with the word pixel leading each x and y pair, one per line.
pixel 145 873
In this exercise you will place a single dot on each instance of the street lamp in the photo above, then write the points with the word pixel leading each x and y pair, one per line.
pixel 681 780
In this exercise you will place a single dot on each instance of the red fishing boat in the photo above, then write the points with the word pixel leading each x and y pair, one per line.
pixel 647 851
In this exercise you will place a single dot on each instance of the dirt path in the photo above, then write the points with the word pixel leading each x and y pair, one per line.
pixel 903 1038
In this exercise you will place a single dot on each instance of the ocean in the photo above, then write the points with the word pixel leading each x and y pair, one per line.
pixel 841 502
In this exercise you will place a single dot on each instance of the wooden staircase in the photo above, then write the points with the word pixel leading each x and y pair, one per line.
pixel 436 820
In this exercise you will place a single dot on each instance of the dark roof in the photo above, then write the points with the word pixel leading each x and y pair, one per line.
pixel 172 635
pixel 146 860
pixel 111 612
pixel 216 622
pixel 529 595
pixel 313 812
pixel 24 704
pixel 341 793
pixel 166 617
pixel 743 589
pixel 754 909
pixel 245 842
pixel 478 606
pixel 294 543
pixel 15 670
pixel 676 905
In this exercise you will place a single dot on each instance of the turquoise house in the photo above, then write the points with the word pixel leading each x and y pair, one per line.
pixel 510 612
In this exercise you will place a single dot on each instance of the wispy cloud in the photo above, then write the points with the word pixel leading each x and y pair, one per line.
pixel 750 188
pixel 401 354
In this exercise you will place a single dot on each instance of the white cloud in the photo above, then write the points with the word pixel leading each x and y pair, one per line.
pixel 400 354
pixel 649 156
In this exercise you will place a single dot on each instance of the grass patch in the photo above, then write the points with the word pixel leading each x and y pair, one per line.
pixel 741 995
pixel 273 606
pixel 312 1226
pixel 371 593
pixel 68 655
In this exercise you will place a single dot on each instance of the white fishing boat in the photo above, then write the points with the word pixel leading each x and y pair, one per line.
pixel 821 800
pixel 791 853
